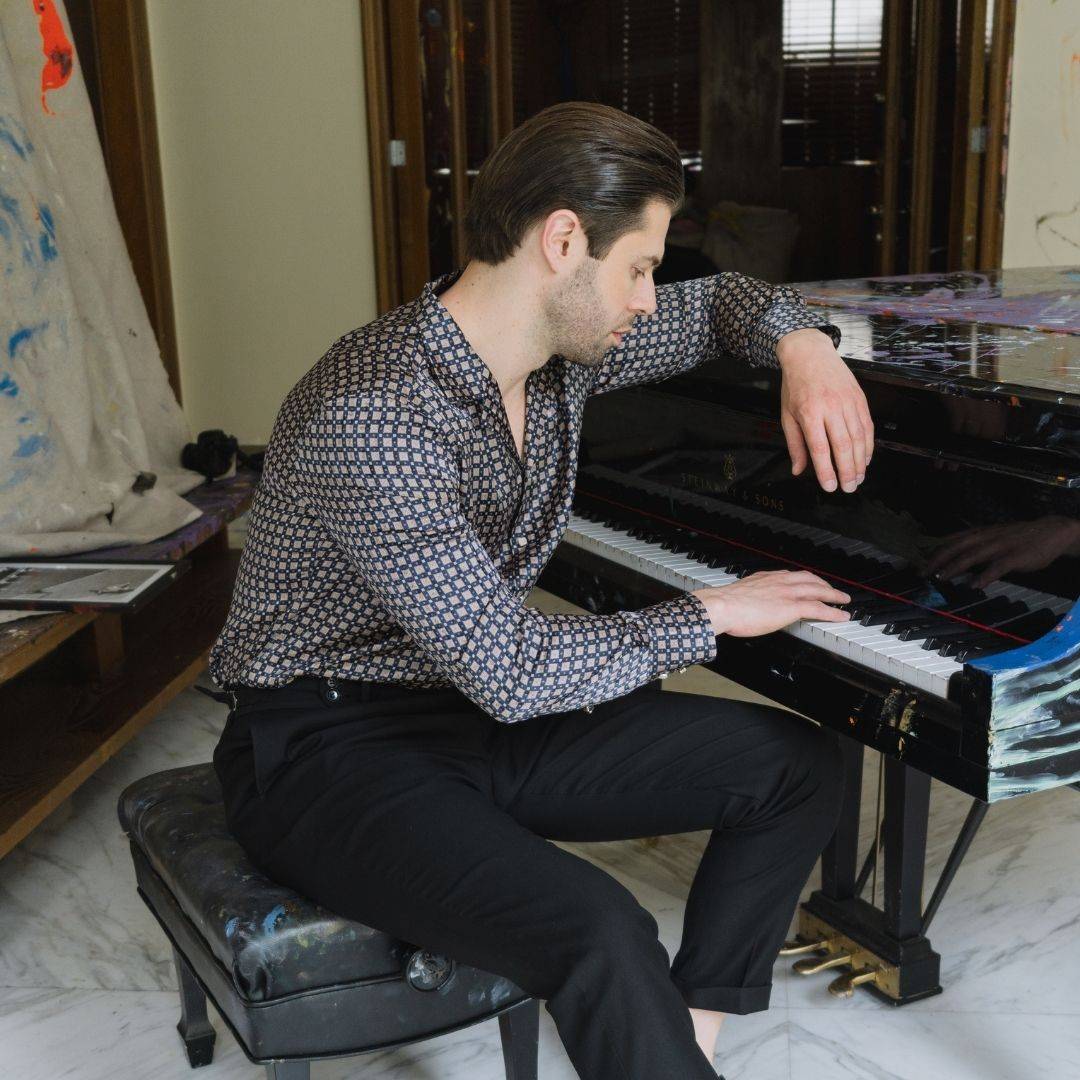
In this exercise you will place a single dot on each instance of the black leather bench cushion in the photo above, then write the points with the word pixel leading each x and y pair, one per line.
pixel 272 940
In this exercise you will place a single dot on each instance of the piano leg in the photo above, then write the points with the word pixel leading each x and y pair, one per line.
pixel 884 950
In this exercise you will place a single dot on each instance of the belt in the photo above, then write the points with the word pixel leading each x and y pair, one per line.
pixel 274 730
pixel 329 688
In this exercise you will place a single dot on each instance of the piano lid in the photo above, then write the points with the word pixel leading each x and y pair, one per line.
pixel 1013 335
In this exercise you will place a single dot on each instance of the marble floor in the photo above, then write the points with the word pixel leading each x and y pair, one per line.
pixel 87 988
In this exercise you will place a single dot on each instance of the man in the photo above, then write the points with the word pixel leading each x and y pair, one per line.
pixel 407 736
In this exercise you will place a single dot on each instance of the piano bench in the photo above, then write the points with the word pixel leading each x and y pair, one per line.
pixel 293 981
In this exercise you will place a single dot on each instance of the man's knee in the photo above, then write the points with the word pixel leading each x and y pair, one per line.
pixel 799 767
pixel 816 769
pixel 603 930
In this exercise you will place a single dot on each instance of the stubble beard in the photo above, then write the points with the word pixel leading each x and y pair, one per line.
pixel 575 316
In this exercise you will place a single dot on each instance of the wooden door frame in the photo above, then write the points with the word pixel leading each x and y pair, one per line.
pixel 980 133
pixel 395 113
pixel 112 43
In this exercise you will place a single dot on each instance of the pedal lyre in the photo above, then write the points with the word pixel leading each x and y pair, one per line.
pixel 822 948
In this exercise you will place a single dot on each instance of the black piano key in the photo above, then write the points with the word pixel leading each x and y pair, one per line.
pixel 918 630
pixel 904 618
pixel 952 637
pixel 981 644
pixel 872 606
pixel 978 651
pixel 745 565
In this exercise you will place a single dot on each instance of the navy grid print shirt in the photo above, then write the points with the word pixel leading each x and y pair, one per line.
pixel 396 533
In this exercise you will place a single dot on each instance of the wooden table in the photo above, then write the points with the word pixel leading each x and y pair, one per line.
pixel 76 686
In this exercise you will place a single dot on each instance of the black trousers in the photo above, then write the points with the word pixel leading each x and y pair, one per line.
pixel 414 812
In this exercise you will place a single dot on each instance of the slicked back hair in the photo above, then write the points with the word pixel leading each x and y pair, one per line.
pixel 595 160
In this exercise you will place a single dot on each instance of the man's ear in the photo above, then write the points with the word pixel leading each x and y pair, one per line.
pixel 561 235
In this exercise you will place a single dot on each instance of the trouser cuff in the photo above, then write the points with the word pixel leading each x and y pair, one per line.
pixel 729 999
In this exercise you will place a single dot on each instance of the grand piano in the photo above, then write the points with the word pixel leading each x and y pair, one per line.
pixel 961 552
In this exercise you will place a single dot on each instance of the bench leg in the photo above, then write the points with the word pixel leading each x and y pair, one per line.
pixel 519 1028
pixel 288 1070
pixel 194 1027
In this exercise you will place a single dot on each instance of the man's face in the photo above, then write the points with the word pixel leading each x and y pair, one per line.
pixel 591 311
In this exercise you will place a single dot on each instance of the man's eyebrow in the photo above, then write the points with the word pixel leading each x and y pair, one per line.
pixel 653 259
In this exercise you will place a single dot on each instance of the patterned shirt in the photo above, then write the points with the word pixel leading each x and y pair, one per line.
pixel 396 532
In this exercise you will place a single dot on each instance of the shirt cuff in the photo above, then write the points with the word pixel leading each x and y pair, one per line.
pixel 780 319
pixel 681 632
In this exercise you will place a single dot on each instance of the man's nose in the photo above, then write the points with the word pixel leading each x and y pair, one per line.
pixel 645 298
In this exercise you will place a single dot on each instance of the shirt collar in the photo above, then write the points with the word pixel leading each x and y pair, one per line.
pixel 455 364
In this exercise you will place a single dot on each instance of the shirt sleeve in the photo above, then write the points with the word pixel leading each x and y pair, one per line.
pixel 382 480
pixel 699 319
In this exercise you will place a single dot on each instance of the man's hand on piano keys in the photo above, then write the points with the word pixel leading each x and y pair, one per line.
pixel 823 411
pixel 770 600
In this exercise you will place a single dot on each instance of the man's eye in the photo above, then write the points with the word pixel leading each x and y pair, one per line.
pixel 638 273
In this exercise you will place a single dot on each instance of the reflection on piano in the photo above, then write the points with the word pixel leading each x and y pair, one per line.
pixel 961 553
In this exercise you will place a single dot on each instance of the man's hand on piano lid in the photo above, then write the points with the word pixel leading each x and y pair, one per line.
pixel 823 410
pixel 1002 549
pixel 770 600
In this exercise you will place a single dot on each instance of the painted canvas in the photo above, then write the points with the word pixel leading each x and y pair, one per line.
pixel 85 405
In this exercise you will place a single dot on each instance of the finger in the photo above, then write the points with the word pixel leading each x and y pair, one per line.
pixel 819 612
pixel 795 443
pixel 817 442
pixel 868 429
pixel 842 450
pixel 858 443
pixel 825 593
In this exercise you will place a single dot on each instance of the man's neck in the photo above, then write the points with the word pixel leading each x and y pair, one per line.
pixel 498 309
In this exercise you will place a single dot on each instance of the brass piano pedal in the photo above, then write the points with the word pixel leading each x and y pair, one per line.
pixel 811 965
pixel 844 985
pixel 801 946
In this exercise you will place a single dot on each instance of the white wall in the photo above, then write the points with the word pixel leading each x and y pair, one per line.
pixel 263 132
pixel 1042 184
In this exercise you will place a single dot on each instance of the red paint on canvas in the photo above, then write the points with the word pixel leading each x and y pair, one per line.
pixel 59 55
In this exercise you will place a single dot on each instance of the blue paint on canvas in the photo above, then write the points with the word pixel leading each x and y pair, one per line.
pixel 30 445
pixel 36 255
pixel 24 333
pixel 16 478
pixel 47 240
pixel 19 142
